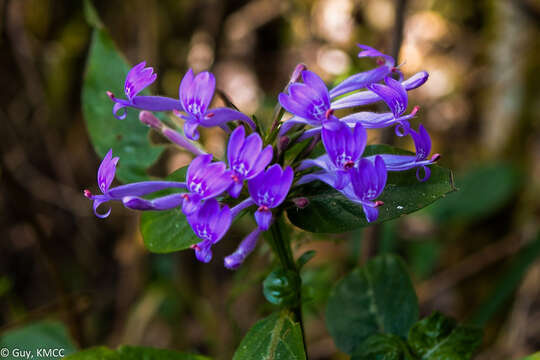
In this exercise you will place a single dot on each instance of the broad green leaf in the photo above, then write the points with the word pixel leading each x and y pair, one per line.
pixel 376 298
pixel 275 337
pixel 40 335
pixel 439 337
pixel 383 347
pixel 482 191
pixel 167 231
pixel 106 69
pixel 329 211
pixel 132 353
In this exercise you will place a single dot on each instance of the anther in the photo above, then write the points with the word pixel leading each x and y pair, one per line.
pixel 87 193
pixel 348 165
pixel 435 157
pixel 379 203
pixel 329 113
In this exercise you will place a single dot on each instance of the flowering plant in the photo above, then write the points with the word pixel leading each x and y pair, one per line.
pixel 311 166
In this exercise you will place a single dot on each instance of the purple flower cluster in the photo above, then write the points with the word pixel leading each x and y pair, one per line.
pixel 248 178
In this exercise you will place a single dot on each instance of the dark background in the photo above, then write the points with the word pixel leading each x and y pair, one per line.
pixel 466 253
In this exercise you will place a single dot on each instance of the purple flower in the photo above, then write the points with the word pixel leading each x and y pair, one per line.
pixel 308 101
pixel 369 97
pixel 137 79
pixel 246 158
pixel 204 180
pixel 367 183
pixel 245 248
pixel 344 147
pixel 361 80
pixel 209 223
pixel 196 93
pixel 393 94
pixel 130 194
pixel 422 143
pixel 268 190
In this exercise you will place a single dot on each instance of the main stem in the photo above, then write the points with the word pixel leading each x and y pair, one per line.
pixel 282 248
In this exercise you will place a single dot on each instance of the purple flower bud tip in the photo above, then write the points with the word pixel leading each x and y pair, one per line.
pixel 297 72
pixel 301 202
pixel 284 142
pixel 435 157
pixel 147 118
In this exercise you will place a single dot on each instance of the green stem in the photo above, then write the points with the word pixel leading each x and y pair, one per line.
pixel 282 247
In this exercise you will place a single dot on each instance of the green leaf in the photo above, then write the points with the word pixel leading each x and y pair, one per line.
pixel 439 337
pixel 106 69
pixel 383 347
pixel 376 298
pixel 132 353
pixel 167 231
pixel 275 337
pixel 482 192
pixel 329 211
pixel 91 15
pixel 40 335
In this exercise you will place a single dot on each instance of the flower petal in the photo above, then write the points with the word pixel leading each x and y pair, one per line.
pixel 236 141
pixel 263 219
pixel 372 213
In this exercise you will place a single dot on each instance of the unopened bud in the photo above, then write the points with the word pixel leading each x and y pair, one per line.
pixel 297 72
pixel 283 143
pixel 301 202
pixel 147 118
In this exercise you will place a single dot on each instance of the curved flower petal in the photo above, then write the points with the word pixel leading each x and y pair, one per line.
pixel 372 213
pixel 137 79
pixel 236 141
pixel 393 94
pixel 107 171
pixel 263 219
pixel 183 90
pixel 223 115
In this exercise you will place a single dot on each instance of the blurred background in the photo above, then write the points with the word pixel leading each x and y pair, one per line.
pixel 473 255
